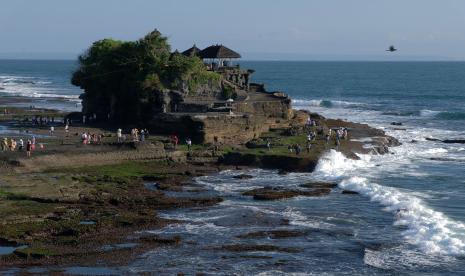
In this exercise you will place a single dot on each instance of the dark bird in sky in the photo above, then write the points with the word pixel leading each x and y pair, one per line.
pixel 391 49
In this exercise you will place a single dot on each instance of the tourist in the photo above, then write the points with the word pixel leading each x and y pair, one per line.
pixel 83 119
pixel 175 141
pixel 21 144
pixel 5 144
pixel 142 136
pixel 327 138
pixel 52 130
pixel 309 137
pixel 119 135
pixel 268 145
pixel 13 144
pixel 28 148
pixel 289 148
pixel 67 130
pixel 189 144
pixel 298 149
pixel 33 143
pixel 308 146
pixel 84 138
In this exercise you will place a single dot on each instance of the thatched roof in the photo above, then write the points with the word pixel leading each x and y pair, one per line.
pixel 218 51
pixel 193 51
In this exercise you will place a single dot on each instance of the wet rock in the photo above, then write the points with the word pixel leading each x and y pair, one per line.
pixel 454 141
pixel 243 176
pixel 282 172
pixel 396 123
pixel 276 234
pixel 319 185
pixel 432 139
pixel 171 187
pixel 175 240
pixel 276 193
pixel 68 232
pixel 259 247
pixel 347 192
pixel 34 252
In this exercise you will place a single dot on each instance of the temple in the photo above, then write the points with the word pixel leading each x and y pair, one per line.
pixel 233 110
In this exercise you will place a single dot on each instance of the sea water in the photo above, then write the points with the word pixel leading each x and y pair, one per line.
pixel 43 84
pixel 409 216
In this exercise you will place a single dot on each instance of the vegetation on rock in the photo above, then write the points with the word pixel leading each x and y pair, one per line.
pixel 128 79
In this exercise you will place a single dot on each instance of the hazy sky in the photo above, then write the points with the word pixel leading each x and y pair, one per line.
pixel 279 29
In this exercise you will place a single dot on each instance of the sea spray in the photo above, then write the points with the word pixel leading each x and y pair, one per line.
pixel 430 230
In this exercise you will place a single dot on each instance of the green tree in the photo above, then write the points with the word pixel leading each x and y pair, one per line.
pixel 127 79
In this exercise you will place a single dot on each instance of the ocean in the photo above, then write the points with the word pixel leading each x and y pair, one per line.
pixel 409 216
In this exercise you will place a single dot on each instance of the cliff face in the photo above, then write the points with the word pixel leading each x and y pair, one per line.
pixel 219 128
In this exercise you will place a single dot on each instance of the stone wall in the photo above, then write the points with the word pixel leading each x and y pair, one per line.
pixel 235 129
pixel 270 109
pixel 213 128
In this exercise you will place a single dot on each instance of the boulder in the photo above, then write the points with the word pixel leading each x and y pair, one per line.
pixel 243 176
pixel 454 141
pixel 347 192
pixel 276 193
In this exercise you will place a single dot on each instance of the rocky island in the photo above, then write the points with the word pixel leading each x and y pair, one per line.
pixel 77 203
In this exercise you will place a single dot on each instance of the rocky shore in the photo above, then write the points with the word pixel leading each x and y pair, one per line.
pixel 79 204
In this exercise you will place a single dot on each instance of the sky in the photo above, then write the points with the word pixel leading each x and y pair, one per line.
pixel 258 29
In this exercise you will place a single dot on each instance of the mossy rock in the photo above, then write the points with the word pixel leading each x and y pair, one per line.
pixel 319 185
pixel 276 193
pixel 175 240
pixel 35 252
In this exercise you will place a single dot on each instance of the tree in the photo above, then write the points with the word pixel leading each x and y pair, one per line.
pixel 128 79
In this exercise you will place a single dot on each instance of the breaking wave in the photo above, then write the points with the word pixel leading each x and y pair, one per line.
pixel 443 115
pixel 431 231
pixel 36 87
pixel 325 103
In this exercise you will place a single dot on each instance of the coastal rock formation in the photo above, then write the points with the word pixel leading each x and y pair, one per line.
pixel 276 193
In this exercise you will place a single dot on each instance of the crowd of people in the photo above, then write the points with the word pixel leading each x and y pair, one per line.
pixel 137 135
pixel 338 134
pixel 19 145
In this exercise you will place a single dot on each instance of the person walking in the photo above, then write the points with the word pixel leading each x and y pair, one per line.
pixel 189 144
pixel 21 144
pixel 298 149
pixel 5 144
pixel 119 135
pixel 142 136
pixel 28 148
pixel 175 141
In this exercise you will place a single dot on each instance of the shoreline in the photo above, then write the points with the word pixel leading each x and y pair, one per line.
pixel 66 161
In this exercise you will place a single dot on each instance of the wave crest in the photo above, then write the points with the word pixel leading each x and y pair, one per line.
pixel 430 230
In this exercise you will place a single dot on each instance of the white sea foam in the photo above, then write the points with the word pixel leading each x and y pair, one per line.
pixel 297 218
pixel 429 113
pixel 35 87
pixel 430 230
pixel 434 151
pixel 325 103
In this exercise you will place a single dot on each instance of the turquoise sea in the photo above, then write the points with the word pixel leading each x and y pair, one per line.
pixel 409 216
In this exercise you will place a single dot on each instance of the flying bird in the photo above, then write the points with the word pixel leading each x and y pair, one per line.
pixel 391 49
